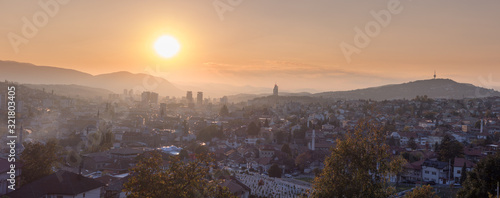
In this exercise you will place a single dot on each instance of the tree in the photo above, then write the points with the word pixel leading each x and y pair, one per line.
pixel 224 111
pixel 181 179
pixel 396 167
pixel 38 160
pixel 201 149
pixel 391 141
pixel 412 144
pixel 362 159
pixel 463 176
pixel 422 191
pixel 482 180
pixel 286 149
pixel 449 149
pixel 274 171
pixel 209 132
pixel 266 123
pixel 183 154
pixel 101 140
pixel 303 159
pixel 253 129
pixel 316 172
pixel 280 137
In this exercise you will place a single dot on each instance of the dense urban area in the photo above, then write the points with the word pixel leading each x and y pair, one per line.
pixel 270 146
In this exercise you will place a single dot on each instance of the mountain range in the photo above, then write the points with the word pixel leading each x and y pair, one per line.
pixel 116 82
pixel 71 82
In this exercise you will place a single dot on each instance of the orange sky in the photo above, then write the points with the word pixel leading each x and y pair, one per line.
pixel 257 42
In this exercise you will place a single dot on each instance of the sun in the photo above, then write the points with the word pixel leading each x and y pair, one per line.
pixel 167 46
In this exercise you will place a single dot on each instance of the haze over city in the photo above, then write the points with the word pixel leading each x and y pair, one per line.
pixel 249 98
pixel 297 44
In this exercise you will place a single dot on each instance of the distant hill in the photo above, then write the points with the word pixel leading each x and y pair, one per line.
pixel 26 73
pixel 72 90
pixel 434 88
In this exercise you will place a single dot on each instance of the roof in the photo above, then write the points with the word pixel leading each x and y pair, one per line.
pixel 415 165
pixel 125 151
pixel 264 160
pixel 472 151
pixel 235 186
pixel 459 162
pixel 61 182
pixel 267 148
pixel 435 164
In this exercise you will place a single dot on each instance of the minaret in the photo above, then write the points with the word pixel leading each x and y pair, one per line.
pixel 434 74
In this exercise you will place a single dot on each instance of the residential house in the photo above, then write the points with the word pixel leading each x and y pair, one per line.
pixel 458 165
pixel 435 171
pixel 61 184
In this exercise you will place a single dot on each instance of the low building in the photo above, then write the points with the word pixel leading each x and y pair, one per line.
pixel 61 184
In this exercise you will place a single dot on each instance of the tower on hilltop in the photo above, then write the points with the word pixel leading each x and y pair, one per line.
pixel 275 90
pixel 434 74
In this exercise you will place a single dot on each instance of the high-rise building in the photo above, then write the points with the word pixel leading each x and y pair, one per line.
pixel 145 97
pixel 153 98
pixel 199 98
pixel 189 97
pixel 125 92
pixel 163 109
pixel 275 90
pixel 149 97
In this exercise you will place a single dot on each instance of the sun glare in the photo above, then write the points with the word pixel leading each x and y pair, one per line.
pixel 167 46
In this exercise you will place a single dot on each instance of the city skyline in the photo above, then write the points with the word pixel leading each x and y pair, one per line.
pixel 297 44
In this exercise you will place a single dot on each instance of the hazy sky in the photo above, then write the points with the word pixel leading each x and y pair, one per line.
pixel 296 43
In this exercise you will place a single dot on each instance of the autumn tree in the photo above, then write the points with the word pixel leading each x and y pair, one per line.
pixel 426 191
pixel 38 160
pixel 482 180
pixel 150 178
pixel 303 159
pixel 358 166
pixel 396 167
